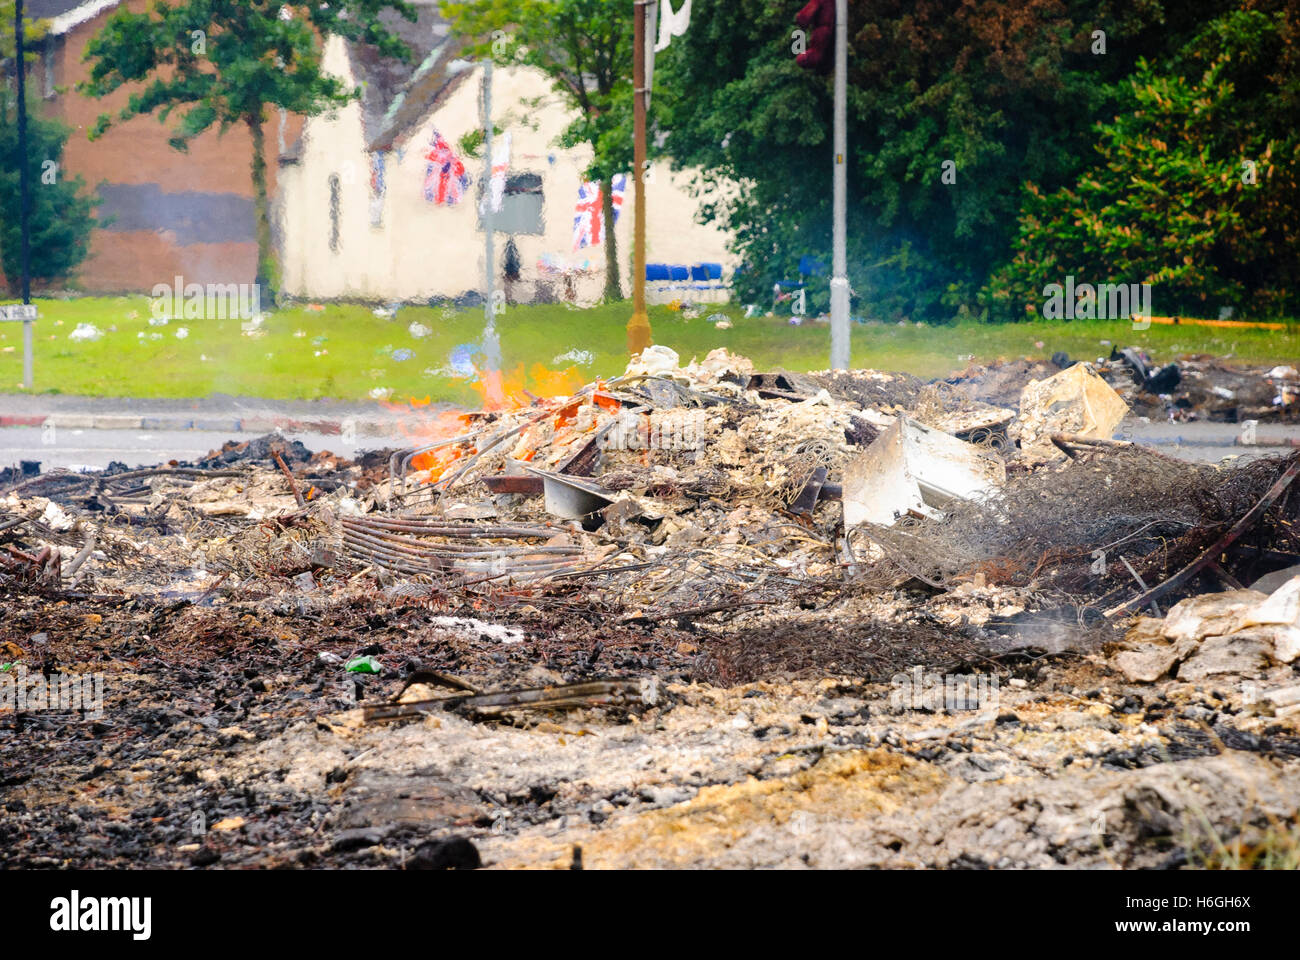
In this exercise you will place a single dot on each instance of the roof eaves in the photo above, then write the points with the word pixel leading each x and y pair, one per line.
pixel 78 15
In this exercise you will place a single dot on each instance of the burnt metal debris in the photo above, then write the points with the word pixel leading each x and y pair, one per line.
pixel 704 487
pixel 680 535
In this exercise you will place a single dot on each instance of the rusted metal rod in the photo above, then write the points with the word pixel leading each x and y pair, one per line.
pixel 394 564
pixel 514 564
pixel 401 460
pixel 455 550
pixel 423 562
pixel 442 529
pixel 293 484
pixel 388 548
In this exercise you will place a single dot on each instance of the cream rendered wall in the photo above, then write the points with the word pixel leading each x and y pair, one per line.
pixel 423 250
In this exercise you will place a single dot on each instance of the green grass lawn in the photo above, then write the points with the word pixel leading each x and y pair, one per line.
pixel 345 352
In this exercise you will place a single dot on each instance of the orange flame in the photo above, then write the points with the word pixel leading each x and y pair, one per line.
pixel 499 392
pixel 431 428
pixel 509 391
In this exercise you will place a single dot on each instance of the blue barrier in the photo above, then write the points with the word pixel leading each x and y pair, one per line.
pixel 702 278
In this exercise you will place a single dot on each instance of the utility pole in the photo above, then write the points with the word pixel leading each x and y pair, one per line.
pixel 840 264
pixel 24 207
pixel 638 328
pixel 491 343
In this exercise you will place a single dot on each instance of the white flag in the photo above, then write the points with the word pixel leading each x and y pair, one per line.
pixel 651 45
pixel 672 24
pixel 500 164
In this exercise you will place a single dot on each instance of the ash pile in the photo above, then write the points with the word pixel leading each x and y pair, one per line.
pixel 696 602
pixel 714 522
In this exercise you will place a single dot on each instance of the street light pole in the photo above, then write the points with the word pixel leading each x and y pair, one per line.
pixel 24 211
pixel 638 328
pixel 839 266
pixel 491 342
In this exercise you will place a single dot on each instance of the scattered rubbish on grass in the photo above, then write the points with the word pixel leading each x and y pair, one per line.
pixel 84 332
pixel 583 358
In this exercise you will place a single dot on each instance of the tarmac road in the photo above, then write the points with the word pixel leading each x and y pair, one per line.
pixel 95 449
pixel 1210 442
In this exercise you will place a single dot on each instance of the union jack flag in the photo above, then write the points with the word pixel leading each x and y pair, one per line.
pixel 588 215
pixel 445 179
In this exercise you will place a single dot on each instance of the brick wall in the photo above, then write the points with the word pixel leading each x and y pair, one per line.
pixel 187 214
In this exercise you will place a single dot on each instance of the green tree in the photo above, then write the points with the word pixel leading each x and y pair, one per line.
pixel 1194 188
pixel 223 62
pixel 585 48
pixel 60 215
pixel 33 30
pixel 991 92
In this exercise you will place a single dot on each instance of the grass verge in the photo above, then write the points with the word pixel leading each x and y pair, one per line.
pixel 344 351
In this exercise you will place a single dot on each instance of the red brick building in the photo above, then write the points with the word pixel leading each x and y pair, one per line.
pixel 171 213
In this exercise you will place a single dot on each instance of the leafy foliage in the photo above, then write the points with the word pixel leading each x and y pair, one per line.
pixel 1194 190
pixel 223 61
pixel 61 215
pixel 33 33
pixel 1007 91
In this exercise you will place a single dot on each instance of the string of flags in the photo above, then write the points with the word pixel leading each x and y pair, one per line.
pixel 446 180
pixel 589 214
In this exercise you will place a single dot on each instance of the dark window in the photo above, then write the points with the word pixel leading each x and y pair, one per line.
pixel 521 207
pixel 524 183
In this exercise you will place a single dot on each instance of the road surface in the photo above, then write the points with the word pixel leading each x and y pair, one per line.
pixel 95 449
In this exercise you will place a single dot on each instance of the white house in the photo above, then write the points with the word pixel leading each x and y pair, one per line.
pixel 352 216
